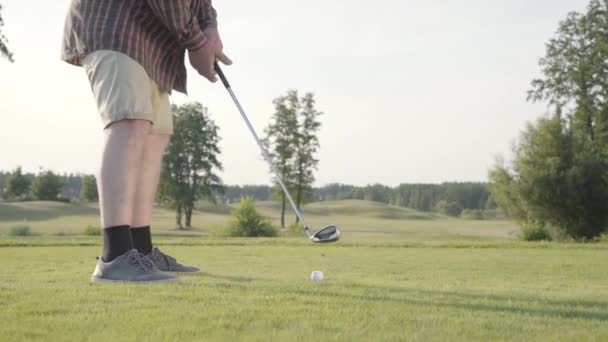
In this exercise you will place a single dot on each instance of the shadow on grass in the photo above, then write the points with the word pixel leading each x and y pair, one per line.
pixel 466 301
pixel 493 297
pixel 222 277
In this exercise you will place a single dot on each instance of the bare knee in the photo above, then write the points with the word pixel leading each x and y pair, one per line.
pixel 133 131
pixel 159 141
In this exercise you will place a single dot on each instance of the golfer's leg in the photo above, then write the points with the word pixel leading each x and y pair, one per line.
pixel 121 88
pixel 122 151
pixel 145 192
pixel 148 181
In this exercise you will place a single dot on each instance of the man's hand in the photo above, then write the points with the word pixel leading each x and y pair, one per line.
pixel 203 59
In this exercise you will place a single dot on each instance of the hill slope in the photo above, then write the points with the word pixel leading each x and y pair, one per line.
pixel 358 218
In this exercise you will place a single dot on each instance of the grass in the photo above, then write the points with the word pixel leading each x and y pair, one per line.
pixel 362 217
pixel 427 279
pixel 261 292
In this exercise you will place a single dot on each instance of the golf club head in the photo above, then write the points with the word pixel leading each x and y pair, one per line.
pixel 330 233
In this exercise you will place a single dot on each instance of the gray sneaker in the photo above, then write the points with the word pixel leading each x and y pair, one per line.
pixel 169 264
pixel 131 267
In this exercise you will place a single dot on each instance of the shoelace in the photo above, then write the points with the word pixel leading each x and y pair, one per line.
pixel 140 261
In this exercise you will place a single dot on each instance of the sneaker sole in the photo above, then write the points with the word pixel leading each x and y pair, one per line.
pixel 159 281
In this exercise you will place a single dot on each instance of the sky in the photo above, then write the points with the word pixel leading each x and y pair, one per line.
pixel 411 91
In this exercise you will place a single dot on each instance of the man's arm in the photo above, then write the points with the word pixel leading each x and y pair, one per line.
pixel 207 16
pixel 178 17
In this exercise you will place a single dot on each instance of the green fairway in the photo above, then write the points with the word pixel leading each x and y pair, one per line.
pixel 396 274
pixel 366 219
pixel 261 291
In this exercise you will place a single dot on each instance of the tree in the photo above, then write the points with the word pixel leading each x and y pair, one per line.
pixel 17 185
pixel 4 51
pixel 307 146
pixel 281 140
pixel 575 73
pixel 559 176
pixel 46 186
pixel 88 189
pixel 190 162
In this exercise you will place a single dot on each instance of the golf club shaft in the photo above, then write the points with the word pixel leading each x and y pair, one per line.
pixel 257 140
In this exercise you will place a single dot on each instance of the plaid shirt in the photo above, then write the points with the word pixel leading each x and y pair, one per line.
pixel 155 33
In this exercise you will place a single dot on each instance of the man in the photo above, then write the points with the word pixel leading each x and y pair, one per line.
pixel 133 54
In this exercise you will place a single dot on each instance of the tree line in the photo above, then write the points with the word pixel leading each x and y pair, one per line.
pixel 558 181
pixel 47 185
pixel 16 185
pixel 422 197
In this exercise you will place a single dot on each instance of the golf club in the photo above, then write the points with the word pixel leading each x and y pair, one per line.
pixel 329 233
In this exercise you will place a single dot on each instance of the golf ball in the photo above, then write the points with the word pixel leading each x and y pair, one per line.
pixel 316 276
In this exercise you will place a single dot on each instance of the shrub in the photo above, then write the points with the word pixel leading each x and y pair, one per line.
pixel 92 231
pixel 535 232
pixel 472 214
pixel 453 209
pixel 20 230
pixel 296 229
pixel 247 222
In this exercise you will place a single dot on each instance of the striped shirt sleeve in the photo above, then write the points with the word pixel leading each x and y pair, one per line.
pixel 207 16
pixel 177 16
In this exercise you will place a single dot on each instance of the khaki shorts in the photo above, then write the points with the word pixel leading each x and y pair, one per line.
pixel 123 90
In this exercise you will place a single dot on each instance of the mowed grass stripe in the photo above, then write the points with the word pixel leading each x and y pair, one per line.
pixel 260 293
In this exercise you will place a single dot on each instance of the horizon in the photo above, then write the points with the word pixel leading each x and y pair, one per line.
pixel 316 186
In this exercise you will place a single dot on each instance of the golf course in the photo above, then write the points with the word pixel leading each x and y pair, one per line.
pixel 396 274
pixel 207 170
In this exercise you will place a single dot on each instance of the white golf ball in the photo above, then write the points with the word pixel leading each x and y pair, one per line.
pixel 316 276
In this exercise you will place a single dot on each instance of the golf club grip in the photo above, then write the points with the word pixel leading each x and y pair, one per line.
pixel 220 73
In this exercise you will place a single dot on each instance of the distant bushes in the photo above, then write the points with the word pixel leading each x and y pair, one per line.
pixel 247 222
pixel 472 214
pixel 20 230
pixel 535 232
pixel 92 231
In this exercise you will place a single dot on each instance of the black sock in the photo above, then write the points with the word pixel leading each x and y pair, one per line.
pixel 142 239
pixel 116 242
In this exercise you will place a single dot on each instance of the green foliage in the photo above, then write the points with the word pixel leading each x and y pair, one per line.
pixel 191 163
pixel 4 51
pixel 295 229
pixel 247 222
pixel 22 229
pixel 281 141
pixel 452 209
pixel 559 176
pixel 377 193
pixel 92 231
pixel 554 181
pixel 535 232
pixel 17 185
pixel 307 147
pixel 46 186
pixel 293 143
pixel 88 189
pixel 472 214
